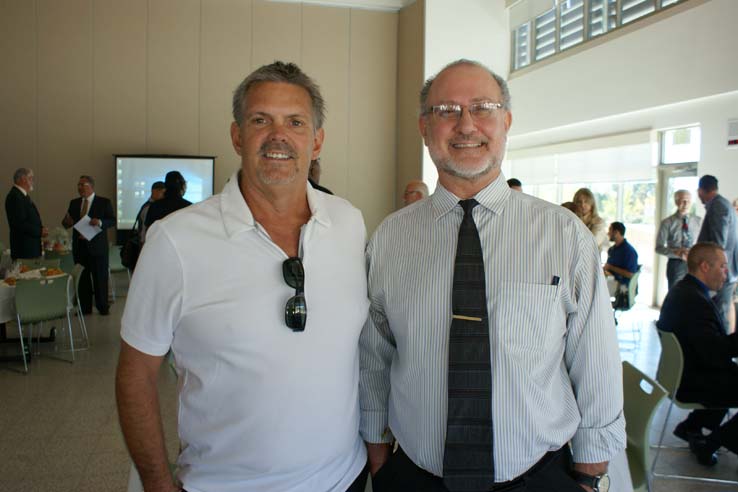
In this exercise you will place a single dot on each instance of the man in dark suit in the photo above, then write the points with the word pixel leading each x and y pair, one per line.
pixel 721 227
pixel 92 254
pixel 710 376
pixel 175 187
pixel 24 220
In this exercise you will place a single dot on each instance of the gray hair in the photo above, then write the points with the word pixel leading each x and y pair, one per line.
pixel 20 173
pixel 280 72
pixel 463 61
pixel 89 179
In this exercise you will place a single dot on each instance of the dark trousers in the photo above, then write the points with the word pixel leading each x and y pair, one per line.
pixel 676 269
pixel 710 418
pixel 550 474
pixel 94 280
pixel 358 485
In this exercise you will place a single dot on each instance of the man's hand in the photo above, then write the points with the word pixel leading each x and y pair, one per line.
pixel 378 455
pixel 44 232
pixel 591 469
pixel 94 222
pixel 67 221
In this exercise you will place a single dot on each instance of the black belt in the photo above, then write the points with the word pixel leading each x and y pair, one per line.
pixel 516 483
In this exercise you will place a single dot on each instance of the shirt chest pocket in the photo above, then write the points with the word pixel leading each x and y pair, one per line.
pixel 528 316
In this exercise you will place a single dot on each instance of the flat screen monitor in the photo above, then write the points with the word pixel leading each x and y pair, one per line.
pixel 136 173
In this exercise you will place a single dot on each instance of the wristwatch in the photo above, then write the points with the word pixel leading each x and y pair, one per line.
pixel 598 483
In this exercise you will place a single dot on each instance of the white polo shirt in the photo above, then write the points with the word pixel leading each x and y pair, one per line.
pixel 261 408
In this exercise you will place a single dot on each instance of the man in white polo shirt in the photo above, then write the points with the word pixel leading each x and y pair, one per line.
pixel 260 293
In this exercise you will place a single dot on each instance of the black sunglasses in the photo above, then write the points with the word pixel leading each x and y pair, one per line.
pixel 295 311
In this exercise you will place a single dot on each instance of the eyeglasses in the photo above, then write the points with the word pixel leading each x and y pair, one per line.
pixel 295 311
pixel 452 112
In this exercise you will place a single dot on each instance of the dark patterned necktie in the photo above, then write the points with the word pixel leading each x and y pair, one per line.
pixel 686 237
pixel 468 463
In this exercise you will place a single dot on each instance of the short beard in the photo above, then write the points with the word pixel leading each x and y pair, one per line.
pixel 450 167
pixel 275 174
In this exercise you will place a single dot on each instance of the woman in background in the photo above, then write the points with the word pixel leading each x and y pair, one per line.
pixel 584 199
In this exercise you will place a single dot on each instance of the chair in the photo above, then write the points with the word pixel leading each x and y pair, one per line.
pixel 35 263
pixel 115 266
pixel 669 374
pixel 625 302
pixel 39 300
pixel 66 260
pixel 642 396
pixel 76 275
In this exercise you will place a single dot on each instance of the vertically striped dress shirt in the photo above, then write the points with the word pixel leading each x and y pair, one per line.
pixel 556 372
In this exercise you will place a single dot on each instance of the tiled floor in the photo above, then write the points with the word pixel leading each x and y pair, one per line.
pixel 59 429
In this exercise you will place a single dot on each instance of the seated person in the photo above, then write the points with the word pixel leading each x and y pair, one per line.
pixel 710 376
pixel 622 259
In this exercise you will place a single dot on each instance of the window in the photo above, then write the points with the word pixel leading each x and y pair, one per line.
pixel 566 23
pixel 545 35
pixel 681 145
pixel 521 42
pixel 631 10
pixel 602 16
pixel 571 30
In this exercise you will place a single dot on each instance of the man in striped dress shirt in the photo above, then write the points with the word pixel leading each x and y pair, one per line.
pixel 555 368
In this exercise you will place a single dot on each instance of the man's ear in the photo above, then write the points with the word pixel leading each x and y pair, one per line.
pixel 423 127
pixel 236 137
pixel 317 143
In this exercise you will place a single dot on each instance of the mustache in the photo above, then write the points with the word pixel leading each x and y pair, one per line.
pixel 281 147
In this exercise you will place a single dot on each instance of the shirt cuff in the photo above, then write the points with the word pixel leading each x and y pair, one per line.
pixel 598 444
pixel 374 427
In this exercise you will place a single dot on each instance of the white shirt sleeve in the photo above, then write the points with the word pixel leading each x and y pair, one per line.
pixel 154 303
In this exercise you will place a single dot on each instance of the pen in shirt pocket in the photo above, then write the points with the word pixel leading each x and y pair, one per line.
pixel 555 280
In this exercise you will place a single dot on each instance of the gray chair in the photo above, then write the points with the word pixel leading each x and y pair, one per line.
pixel 625 302
pixel 66 260
pixel 642 396
pixel 115 266
pixel 75 304
pixel 39 300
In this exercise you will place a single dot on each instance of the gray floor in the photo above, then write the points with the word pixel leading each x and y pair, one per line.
pixel 59 429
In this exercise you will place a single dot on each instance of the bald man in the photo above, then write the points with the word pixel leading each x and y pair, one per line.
pixel 415 191
pixel 710 376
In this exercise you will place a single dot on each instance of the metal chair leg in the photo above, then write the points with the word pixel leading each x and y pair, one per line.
pixel 23 347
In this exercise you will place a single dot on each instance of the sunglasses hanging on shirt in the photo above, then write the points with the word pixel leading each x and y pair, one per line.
pixel 295 311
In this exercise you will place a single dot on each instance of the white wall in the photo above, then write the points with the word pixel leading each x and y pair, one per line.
pixel 685 56
pixel 652 78
pixel 472 29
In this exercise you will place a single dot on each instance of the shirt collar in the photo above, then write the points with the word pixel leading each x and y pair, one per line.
pixel 699 282
pixel 237 216
pixel 493 197
pixel 25 193
pixel 89 198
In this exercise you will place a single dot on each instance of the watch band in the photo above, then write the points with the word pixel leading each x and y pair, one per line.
pixel 592 481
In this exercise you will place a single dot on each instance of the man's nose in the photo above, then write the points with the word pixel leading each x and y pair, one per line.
pixel 466 123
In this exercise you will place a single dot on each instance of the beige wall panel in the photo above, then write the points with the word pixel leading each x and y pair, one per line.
pixel 225 61
pixel 372 123
pixel 173 76
pixel 17 95
pixel 409 81
pixel 325 57
pixel 119 55
pixel 65 104
pixel 276 29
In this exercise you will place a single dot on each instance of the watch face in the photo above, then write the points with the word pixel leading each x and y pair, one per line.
pixel 603 484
